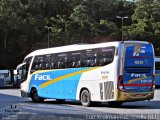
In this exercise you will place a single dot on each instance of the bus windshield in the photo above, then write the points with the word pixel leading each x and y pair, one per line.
pixel 22 72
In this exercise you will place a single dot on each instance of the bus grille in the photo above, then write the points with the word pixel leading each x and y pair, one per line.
pixel 108 89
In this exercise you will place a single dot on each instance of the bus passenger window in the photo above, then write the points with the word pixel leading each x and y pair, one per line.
pixel 47 66
pixel 74 59
pixel 105 56
pixel 52 62
pixel 52 65
pixel 40 66
pixel 37 63
pixel 78 63
pixel 47 62
pixel 89 58
pixel 61 60
pixel 36 67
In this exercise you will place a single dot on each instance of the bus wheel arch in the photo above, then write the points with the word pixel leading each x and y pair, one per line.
pixel 85 97
pixel 34 95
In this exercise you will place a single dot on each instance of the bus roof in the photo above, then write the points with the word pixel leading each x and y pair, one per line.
pixel 78 47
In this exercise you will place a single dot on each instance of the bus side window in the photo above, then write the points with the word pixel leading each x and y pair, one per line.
pixel 40 62
pixel 105 56
pixel 61 60
pixel 89 58
pixel 27 61
pixel 37 63
pixel 74 59
pixel 47 59
pixel 53 61
pixel 36 67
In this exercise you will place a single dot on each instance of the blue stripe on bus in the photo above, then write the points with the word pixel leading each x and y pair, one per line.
pixel 65 88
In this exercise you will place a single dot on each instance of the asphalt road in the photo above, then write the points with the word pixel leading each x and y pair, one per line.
pixel 13 107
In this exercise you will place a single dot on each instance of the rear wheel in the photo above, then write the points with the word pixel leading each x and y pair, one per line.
pixel 85 98
pixel 35 97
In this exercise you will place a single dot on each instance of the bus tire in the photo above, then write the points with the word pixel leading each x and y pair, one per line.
pixel 35 97
pixel 115 103
pixel 85 98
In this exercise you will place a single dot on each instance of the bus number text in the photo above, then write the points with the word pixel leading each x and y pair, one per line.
pixel 138 62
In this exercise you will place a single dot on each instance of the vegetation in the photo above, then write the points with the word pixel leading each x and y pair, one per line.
pixel 22 24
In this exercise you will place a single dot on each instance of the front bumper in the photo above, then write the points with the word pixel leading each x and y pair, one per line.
pixel 124 96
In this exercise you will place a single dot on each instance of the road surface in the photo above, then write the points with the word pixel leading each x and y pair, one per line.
pixel 13 107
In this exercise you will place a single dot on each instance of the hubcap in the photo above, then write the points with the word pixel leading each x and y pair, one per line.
pixel 85 98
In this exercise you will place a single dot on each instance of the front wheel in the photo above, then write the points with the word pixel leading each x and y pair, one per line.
pixel 85 98
pixel 35 97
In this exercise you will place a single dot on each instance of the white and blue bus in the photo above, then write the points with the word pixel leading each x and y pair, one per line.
pixel 157 72
pixel 113 72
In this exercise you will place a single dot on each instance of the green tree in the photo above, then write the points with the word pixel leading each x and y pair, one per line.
pixel 22 24
pixel 146 22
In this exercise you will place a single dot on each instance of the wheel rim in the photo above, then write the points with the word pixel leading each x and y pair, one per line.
pixel 85 98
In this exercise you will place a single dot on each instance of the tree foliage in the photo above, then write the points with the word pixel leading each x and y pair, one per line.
pixel 22 24
pixel 146 22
